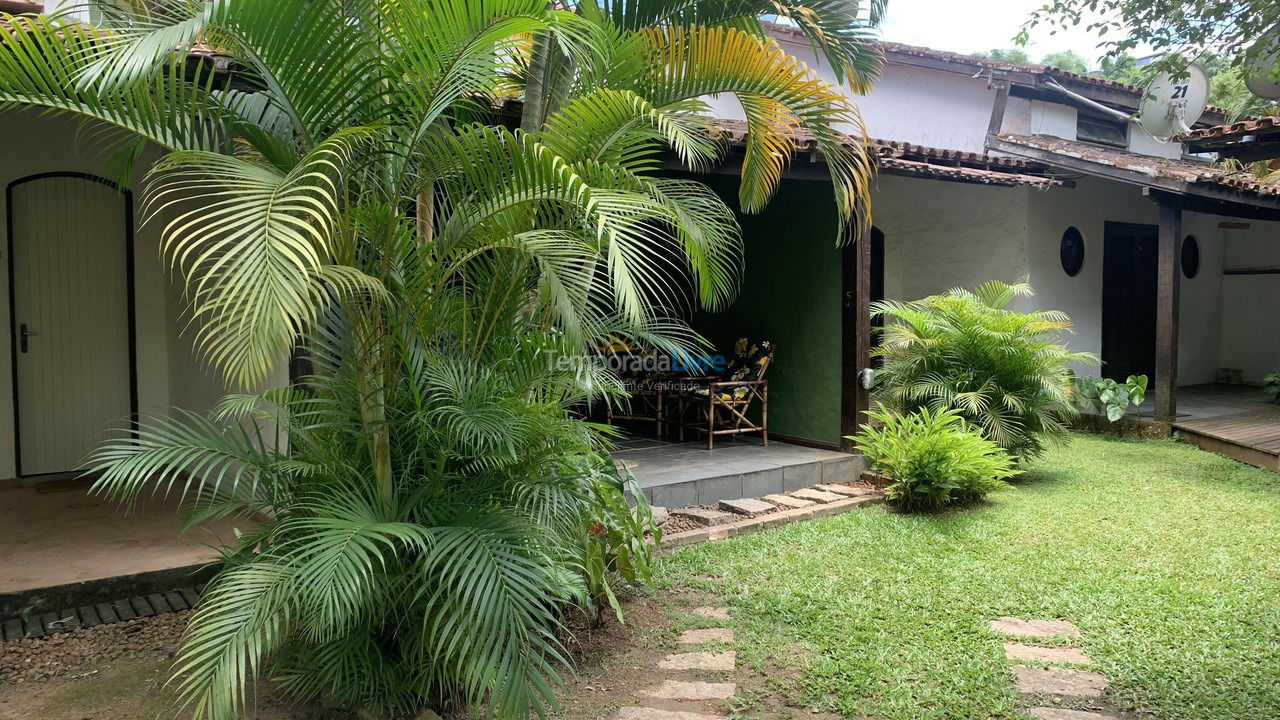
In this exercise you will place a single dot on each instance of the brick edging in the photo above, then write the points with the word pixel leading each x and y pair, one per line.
pixel 38 625
pixel 764 522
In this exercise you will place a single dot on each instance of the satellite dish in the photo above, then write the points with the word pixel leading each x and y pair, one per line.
pixel 1170 106
pixel 1259 73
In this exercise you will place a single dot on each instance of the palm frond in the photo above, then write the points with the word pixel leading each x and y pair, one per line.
pixel 251 242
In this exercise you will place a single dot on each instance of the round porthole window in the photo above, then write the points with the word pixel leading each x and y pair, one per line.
pixel 1190 257
pixel 1071 251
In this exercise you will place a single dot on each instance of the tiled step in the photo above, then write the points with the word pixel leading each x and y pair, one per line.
pixel 750 473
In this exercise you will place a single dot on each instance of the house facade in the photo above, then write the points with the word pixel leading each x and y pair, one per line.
pixel 985 167
pixel 989 171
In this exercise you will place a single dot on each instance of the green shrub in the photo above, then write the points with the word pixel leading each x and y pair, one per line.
pixel 1271 386
pixel 1005 372
pixel 934 457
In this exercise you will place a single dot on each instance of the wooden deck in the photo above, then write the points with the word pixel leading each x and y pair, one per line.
pixel 1251 437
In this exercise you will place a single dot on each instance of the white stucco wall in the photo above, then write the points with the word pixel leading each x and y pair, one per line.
pixel 168 374
pixel 937 109
pixel 946 109
pixel 1053 119
pixel 1251 303
pixel 1088 207
pixel 940 235
pixel 911 104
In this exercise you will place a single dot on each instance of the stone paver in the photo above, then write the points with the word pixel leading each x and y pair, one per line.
pixel 747 506
pixel 1059 682
pixel 703 517
pixel 820 496
pixel 842 490
pixel 1034 628
pixel 644 713
pixel 679 690
pixel 697 637
pixel 1047 713
pixel 1069 655
pixel 786 501
pixel 715 613
pixel 700 661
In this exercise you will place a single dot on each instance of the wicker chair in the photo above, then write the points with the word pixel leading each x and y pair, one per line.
pixel 721 405
pixel 648 402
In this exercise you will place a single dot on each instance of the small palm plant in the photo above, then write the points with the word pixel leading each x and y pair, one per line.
pixel 340 181
pixel 1007 373
pixel 934 458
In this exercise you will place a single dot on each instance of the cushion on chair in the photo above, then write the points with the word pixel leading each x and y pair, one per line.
pixel 750 361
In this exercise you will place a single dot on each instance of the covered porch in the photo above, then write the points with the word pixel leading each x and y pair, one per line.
pixel 62 547
pixel 675 474
pixel 97 336
pixel 1214 254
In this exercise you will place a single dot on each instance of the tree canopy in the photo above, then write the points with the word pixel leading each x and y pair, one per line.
pixel 1237 29
pixel 1067 60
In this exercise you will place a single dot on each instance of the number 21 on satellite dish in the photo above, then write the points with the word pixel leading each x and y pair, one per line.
pixel 1170 106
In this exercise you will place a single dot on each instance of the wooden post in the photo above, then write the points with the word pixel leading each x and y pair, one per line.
pixel 1169 275
pixel 855 332
pixel 996 122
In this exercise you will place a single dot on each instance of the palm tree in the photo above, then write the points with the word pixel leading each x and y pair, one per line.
pixel 349 189
pixel 1007 373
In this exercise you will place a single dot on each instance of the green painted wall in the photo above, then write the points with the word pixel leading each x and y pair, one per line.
pixel 791 295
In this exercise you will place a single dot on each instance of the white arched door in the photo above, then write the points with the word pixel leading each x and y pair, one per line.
pixel 70 258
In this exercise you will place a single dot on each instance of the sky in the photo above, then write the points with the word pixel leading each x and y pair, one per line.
pixel 970 27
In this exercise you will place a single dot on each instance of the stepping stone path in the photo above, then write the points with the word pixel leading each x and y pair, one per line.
pixel 1035 628
pixel 1059 682
pixel 699 661
pixel 692 698
pixel 681 690
pixel 844 490
pixel 1063 655
pixel 819 496
pixel 786 501
pixel 747 506
pixel 703 517
pixel 1045 713
pixel 713 613
pixel 648 713
pixel 710 635
pixel 1070 684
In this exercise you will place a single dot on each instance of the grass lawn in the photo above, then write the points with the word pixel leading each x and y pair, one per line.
pixel 1168 558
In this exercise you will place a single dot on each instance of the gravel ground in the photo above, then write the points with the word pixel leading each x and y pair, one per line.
pixel 80 652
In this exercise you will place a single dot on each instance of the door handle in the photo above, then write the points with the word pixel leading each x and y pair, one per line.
pixel 23 335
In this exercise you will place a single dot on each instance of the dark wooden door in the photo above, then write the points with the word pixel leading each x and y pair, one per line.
pixel 1129 301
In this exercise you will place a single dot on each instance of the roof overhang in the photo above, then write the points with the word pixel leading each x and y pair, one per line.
pixel 1247 140
pixel 18 7
pixel 897 158
pixel 1195 188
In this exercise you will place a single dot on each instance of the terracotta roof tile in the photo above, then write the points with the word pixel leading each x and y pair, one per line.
pixel 1247 126
pixel 1185 171
pixel 922 160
